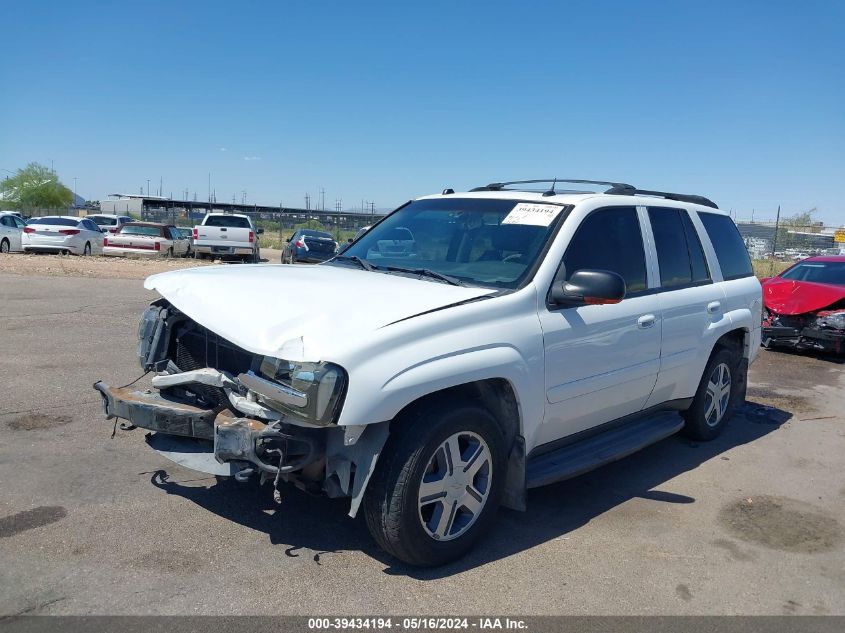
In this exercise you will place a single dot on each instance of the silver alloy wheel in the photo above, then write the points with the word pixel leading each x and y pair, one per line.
pixel 4 246
pixel 718 395
pixel 455 486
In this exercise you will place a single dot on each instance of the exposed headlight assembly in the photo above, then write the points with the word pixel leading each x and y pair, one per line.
pixel 835 320
pixel 312 392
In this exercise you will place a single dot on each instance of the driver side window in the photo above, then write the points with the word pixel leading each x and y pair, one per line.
pixel 608 239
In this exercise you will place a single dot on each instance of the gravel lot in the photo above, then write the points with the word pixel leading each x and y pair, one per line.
pixel 751 523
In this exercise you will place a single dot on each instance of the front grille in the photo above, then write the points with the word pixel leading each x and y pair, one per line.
pixel 194 347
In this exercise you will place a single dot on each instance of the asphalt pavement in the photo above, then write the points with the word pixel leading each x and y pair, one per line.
pixel 751 523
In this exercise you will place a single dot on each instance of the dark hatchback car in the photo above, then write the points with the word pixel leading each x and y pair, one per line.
pixel 308 245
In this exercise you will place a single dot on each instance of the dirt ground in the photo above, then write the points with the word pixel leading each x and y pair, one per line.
pixel 104 267
pixel 750 523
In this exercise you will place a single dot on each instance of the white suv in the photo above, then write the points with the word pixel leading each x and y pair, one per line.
pixel 523 336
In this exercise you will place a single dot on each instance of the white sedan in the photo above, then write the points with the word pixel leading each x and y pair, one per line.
pixel 146 239
pixel 62 234
pixel 11 229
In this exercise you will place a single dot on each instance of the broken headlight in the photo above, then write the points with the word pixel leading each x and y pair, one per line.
pixel 835 320
pixel 314 392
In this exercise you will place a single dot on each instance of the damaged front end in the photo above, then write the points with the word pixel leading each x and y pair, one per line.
pixel 220 409
pixel 822 331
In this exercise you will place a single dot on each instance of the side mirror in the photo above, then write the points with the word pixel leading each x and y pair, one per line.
pixel 259 231
pixel 289 239
pixel 350 240
pixel 589 287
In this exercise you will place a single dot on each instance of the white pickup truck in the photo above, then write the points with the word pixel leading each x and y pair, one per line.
pixel 227 235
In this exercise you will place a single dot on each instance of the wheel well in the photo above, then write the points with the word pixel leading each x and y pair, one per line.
pixel 736 341
pixel 494 394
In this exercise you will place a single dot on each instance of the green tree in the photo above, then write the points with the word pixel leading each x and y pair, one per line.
pixel 790 226
pixel 35 187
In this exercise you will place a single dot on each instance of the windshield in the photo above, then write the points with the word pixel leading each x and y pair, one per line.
pixel 229 221
pixel 55 221
pixel 476 241
pixel 819 272
pixel 140 229
pixel 102 220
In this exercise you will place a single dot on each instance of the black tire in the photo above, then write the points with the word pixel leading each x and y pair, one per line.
pixel 702 422
pixel 5 247
pixel 391 503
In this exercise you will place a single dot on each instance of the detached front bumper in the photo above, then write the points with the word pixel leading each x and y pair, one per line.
pixel 245 444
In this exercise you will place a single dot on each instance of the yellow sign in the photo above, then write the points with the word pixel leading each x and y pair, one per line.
pixel 839 235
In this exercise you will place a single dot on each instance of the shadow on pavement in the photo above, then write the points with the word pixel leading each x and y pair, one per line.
pixel 304 524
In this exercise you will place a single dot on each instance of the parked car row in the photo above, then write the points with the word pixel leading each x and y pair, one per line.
pixel 93 234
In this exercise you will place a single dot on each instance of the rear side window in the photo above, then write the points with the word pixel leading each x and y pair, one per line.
pixel 679 252
pixel 727 242
pixel 609 239
pixel 229 221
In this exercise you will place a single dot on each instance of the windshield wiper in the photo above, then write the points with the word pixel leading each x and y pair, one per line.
pixel 363 263
pixel 452 281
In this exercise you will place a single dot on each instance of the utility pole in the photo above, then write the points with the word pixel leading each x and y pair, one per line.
pixel 148 187
pixel 338 204
pixel 775 238
pixel 322 199
pixel 74 191
pixel 160 186
pixel 307 201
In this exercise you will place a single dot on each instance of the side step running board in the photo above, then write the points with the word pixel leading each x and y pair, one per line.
pixel 585 455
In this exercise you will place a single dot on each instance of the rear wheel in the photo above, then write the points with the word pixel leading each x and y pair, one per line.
pixel 4 246
pixel 438 484
pixel 713 404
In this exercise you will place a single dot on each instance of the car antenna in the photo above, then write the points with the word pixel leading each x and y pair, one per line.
pixel 551 192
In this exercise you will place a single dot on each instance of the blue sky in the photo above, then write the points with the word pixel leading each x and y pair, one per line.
pixel 741 101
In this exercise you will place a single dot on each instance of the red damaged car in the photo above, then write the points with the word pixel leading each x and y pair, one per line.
pixel 805 306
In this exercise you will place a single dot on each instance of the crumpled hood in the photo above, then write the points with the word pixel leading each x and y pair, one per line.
pixel 787 296
pixel 301 313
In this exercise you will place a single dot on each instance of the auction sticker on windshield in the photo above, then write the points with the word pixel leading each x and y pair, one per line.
pixel 533 214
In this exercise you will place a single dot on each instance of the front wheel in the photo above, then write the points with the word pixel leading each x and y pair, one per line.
pixel 713 404
pixel 4 246
pixel 438 483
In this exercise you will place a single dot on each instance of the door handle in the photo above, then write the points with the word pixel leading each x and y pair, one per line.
pixel 646 320
pixel 713 307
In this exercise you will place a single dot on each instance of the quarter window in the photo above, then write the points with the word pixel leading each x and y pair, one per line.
pixel 609 239
pixel 727 242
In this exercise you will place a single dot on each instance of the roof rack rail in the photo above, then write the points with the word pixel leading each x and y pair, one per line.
pixel 614 188
pixel 498 186
pixel 680 197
